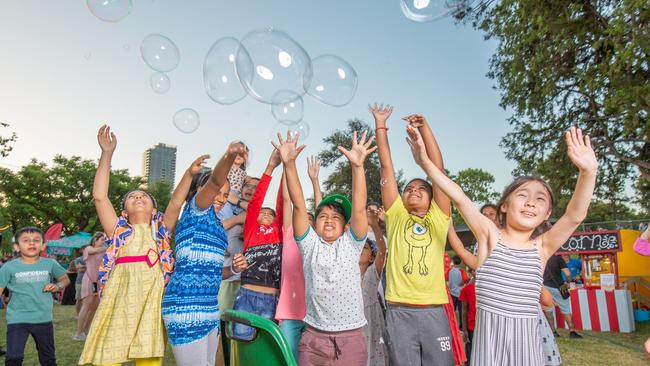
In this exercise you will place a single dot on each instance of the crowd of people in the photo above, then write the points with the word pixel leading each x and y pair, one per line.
pixel 350 282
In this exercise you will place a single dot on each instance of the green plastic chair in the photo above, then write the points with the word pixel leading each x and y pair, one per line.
pixel 268 346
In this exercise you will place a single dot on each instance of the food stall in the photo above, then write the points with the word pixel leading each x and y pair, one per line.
pixel 600 305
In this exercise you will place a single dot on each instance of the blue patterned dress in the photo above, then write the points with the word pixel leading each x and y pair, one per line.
pixel 189 307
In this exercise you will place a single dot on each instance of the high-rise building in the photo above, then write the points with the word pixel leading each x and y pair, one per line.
pixel 159 164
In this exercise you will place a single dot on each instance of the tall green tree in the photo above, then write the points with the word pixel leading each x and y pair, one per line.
pixel 41 195
pixel 162 191
pixel 340 180
pixel 560 63
pixel 5 142
pixel 477 184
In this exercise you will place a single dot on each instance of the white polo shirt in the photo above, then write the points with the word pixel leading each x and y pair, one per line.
pixel 332 281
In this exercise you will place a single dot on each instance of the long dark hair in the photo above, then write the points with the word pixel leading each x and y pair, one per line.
pixel 502 217
pixel 198 181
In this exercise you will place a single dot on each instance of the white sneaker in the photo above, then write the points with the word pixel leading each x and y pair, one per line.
pixel 79 337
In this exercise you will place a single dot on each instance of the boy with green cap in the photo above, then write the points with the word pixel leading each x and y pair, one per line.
pixel 330 255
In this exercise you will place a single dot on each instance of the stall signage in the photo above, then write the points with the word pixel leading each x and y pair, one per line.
pixel 602 241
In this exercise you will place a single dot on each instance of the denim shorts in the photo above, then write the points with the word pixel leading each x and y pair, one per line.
pixel 254 302
pixel 563 304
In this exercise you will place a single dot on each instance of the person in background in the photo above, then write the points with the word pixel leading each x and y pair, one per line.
pixel 92 257
pixel 456 282
pixel 80 267
pixel 553 281
pixel 467 298
pixel 575 268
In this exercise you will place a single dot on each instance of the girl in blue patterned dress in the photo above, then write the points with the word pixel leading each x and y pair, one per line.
pixel 190 308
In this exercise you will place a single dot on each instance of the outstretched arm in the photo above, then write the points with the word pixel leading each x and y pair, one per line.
pixel 105 211
pixel 289 151
pixel 434 154
pixel 457 245
pixel 287 210
pixel 357 156
pixel 480 225
pixel 219 177
pixel 582 155
pixel 313 168
pixel 389 190
pixel 380 258
pixel 175 204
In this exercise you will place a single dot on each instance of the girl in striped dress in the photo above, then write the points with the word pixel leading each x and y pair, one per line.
pixel 512 255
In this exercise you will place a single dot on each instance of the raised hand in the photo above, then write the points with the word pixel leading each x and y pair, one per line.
pixel 289 149
pixel 373 215
pixel 275 159
pixel 106 138
pixel 313 167
pixel 580 151
pixel 237 148
pixel 360 149
pixel 415 120
pixel 416 144
pixel 380 113
pixel 381 214
pixel 198 164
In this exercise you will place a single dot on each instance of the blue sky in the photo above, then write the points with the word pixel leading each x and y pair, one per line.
pixel 64 72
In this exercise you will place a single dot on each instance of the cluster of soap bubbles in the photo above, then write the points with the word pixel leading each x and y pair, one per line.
pixel 161 55
pixel 271 67
pixel 430 10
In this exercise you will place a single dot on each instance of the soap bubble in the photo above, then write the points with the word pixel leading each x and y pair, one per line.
pixel 219 76
pixel 334 82
pixel 301 127
pixel 159 82
pixel 186 120
pixel 287 107
pixel 430 10
pixel 110 10
pixel 160 53
pixel 270 61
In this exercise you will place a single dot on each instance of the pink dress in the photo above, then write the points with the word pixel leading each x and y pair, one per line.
pixel 291 303
pixel 92 269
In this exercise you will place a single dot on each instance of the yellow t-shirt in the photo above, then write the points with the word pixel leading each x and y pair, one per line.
pixel 415 263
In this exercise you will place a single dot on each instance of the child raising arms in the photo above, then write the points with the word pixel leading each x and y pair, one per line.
pixel 510 256
pixel 136 267
pixel 330 255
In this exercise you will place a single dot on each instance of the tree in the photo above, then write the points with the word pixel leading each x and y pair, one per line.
pixel 162 191
pixel 568 62
pixel 340 181
pixel 40 195
pixel 5 142
pixel 477 185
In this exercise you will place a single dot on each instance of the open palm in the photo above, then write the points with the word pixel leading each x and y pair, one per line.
pixel 580 151
pixel 360 149
pixel 380 112
pixel 106 138
pixel 288 149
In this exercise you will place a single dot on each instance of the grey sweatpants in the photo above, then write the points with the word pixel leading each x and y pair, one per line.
pixel 418 336
pixel 200 353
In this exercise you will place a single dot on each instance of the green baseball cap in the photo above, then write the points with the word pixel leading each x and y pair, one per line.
pixel 340 200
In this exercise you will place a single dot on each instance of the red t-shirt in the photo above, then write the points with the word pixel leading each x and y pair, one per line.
pixel 468 295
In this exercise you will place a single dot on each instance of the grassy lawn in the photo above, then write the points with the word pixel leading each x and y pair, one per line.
pixel 595 349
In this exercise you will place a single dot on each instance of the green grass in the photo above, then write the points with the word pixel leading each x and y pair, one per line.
pixel 594 349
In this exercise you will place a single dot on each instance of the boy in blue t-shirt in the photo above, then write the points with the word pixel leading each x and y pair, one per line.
pixel 29 278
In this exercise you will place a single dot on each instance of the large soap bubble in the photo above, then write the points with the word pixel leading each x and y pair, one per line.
pixel 430 10
pixel 287 107
pixel 301 127
pixel 159 82
pixel 110 10
pixel 334 82
pixel 270 61
pixel 219 76
pixel 186 120
pixel 160 53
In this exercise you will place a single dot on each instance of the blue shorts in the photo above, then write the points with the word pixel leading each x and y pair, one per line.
pixel 254 302
pixel 563 304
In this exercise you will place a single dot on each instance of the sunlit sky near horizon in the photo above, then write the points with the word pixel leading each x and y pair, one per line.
pixel 63 73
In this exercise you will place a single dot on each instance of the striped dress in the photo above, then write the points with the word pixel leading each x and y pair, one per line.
pixel 508 287
pixel 189 307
